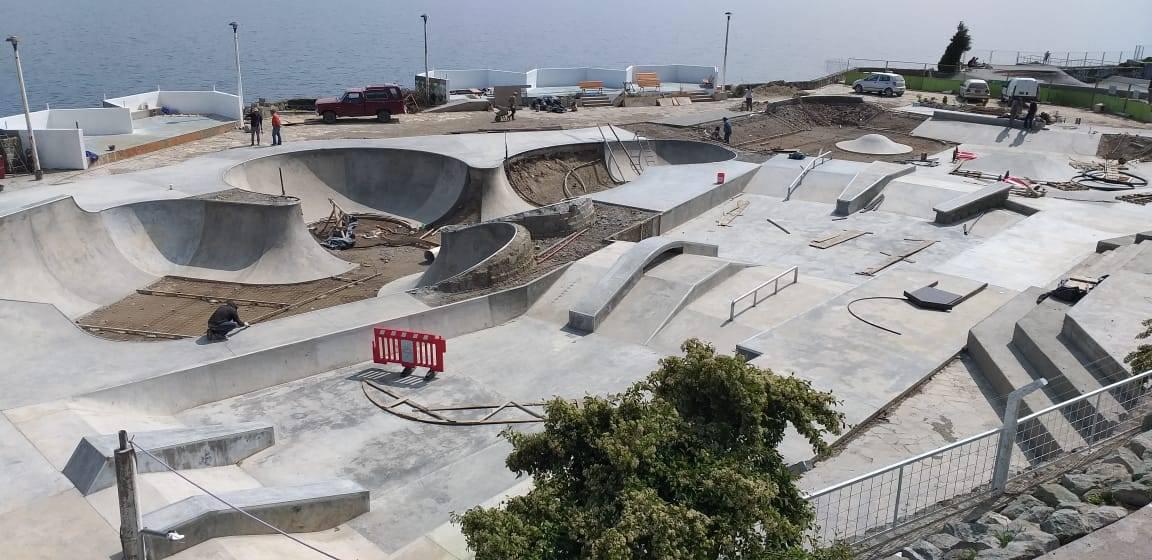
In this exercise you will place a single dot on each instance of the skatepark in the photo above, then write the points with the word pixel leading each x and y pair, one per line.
pixel 799 265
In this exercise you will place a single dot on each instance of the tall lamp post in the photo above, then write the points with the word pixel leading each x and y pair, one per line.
pixel 426 76
pixel 239 77
pixel 724 65
pixel 27 113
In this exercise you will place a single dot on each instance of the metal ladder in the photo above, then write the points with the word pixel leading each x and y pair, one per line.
pixel 646 151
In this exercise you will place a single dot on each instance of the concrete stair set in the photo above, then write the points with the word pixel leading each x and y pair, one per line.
pixel 701 97
pixel 595 100
pixel 1025 340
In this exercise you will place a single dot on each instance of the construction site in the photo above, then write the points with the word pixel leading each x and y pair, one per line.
pixel 922 264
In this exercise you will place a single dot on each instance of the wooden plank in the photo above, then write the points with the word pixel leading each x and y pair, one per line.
pixel 896 258
pixel 150 334
pixel 210 298
pixel 735 212
pixel 837 239
pixel 306 301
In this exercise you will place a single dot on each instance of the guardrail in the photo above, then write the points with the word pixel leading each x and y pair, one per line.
pixel 754 292
pixel 978 466
pixel 822 157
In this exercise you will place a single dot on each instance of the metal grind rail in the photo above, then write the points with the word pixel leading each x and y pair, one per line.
pixel 817 160
pixel 754 292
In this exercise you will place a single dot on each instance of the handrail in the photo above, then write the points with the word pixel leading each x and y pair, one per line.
pixel 775 281
pixel 817 160
pixel 635 166
pixel 610 155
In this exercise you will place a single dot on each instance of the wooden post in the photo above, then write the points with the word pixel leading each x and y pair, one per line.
pixel 130 542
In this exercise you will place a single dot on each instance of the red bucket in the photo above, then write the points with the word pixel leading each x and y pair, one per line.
pixel 719 177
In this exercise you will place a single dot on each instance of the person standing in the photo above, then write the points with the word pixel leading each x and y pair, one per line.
pixel 748 99
pixel 1014 111
pixel 1030 117
pixel 727 128
pixel 257 120
pixel 512 105
pixel 276 140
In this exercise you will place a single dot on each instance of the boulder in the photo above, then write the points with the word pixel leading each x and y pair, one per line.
pixel 1102 516
pixel 972 536
pixel 1054 495
pixel 1141 443
pixel 1020 526
pixel 1109 473
pixel 1080 484
pixel 1014 551
pixel 943 541
pixel 992 519
pixel 1066 525
pixel 1020 505
pixel 922 550
pixel 1129 460
pixel 1131 494
pixel 1041 541
pixel 1036 514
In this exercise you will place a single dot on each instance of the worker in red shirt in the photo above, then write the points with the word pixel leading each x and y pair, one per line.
pixel 276 140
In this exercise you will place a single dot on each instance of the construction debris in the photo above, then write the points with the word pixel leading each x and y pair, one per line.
pixel 1140 199
pixel 836 239
pixel 735 212
pixel 779 226
pixel 430 415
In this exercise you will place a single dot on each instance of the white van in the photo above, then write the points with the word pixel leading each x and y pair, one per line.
pixel 884 83
pixel 974 90
pixel 1026 89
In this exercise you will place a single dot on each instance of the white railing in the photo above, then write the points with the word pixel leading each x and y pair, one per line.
pixel 816 160
pixel 754 292
pixel 907 491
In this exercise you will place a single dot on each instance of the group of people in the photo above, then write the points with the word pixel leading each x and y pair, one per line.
pixel 722 132
pixel 256 122
pixel 1017 107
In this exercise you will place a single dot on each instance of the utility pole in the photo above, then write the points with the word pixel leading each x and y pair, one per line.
pixel 239 77
pixel 27 113
pixel 130 541
pixel 426 76
pixel 724 64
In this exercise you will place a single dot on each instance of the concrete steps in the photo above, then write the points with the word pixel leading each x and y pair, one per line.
pixel 701 97
pixel 595 100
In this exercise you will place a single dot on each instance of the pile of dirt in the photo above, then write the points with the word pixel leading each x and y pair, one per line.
pixel 775 89
pixel 550 178
pixel 1127 146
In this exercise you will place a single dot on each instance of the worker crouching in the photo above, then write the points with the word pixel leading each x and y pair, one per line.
pixel 224 320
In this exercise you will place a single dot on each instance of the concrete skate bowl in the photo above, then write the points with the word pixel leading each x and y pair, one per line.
pixel 478 256
pixel 79 261
pixel 549 175
pixel 421 187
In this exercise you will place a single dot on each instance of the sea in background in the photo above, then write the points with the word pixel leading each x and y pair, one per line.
pixel 77 52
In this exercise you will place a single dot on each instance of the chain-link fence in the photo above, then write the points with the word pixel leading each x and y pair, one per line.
pixel 888 498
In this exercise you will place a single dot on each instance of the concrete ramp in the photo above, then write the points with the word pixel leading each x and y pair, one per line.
pixel 478 256
pixel 599 300
pixel 867 185
pixel 822 184
pixel 60 254
pixel 662 152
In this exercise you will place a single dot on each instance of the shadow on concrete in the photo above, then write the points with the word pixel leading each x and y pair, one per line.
pixel 395 378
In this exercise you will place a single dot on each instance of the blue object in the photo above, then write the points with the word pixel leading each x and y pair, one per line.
pixel 92 157
pixel 166 111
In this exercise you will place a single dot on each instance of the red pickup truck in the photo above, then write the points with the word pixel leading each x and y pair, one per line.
pixel 381 101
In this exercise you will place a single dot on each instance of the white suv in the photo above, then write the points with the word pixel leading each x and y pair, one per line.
pixel 884 83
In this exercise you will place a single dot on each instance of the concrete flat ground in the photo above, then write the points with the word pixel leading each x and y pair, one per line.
pixel 152 129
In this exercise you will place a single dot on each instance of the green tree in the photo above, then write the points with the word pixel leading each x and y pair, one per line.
pixel 682 465
pixel 961 43
pixel 1141 358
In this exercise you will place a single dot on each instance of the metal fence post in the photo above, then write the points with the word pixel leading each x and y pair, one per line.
pixel 899 496
pixel 125 461
pixel 1097 418
pixel 1008 434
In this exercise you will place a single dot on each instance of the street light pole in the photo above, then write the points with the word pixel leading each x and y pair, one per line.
pixel 27 113
pixel 724 65
pixel 239 77
pixel 426 76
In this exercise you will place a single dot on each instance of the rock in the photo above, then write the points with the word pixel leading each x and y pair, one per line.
pixel 1110 473
pixel 1098 496
pixel 1141 443
pixel 992 519
pixel 1066 525
pixel 1054 495
pixel 1021 551
pixel 959 554
pixel 964 531
pixel 1036 514
pixel 1019 525
pixel 943 541
pixel 1041 541
pixel 1020 505
pixel 1131 494
pixel 1080 484
pixel 1102 516
pixel 1129 460
pixel 922 550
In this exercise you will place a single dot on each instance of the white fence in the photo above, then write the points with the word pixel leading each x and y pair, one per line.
pixel 215 103
pixel 899 494
pixel 570 77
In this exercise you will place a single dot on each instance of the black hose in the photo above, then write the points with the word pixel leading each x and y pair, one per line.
pixel 866 321
pixel 1098 177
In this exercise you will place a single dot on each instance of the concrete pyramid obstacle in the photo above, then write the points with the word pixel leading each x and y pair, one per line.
pixel 876 144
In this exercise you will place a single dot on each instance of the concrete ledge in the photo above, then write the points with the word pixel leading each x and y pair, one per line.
pixel 701 287
pixel 694 207
pixel 867 184
pixel 1105 245
pixel 478 256
pixel 294 509
pixel 961 207
pixel 91 469
pixel 981 119
pixel 595 305
pixel 557 219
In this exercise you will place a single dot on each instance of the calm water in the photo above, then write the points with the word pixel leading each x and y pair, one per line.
pixel 76 52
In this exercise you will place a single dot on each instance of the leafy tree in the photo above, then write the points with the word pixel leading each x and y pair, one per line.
pixel 961 43
pixel 682 465
pixel 1141 358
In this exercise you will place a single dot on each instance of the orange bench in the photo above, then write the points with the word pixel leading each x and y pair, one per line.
pixel 646 80
pixel 592 85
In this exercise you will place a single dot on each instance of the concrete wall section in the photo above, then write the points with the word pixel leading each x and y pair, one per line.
pixel 138 102
pixel 480 78
pixel 202 103
pixel 560 77
pixel 478 256
pixel 964 206
pixel 294 509
pixel 867 184
pixel 94 122
pixel 58 148
pixel 596 303
pixel 681 73
pixel 17 122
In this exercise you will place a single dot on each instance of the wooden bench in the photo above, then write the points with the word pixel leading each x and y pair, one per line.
pixel 645 80
pixel 592 85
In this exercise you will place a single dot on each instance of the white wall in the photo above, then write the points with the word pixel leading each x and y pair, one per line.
pixel 681 73
pixel 94 122
pixel 16 122
pixel 138 102
pixel 58 148
pixel 480 78
pixel 202 103
pixel 561 77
